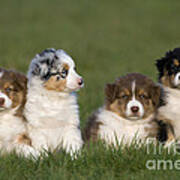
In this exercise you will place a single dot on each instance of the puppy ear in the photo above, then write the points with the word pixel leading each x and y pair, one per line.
pixel 110 92
pixel 156 92
pixel 22 81
pixel 160 64
pixel 36 70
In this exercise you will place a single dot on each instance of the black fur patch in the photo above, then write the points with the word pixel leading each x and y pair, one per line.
pixel 46 61
pixel 166 63
pixel 49 74
pixel 37 70
pixel 162 133
pixel 47 64
pixel 51 50
pixel 50 63
pixel 46 76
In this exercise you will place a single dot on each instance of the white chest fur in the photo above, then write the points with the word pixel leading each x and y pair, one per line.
pixel 116 129
pixel 10 126
pixel 47 109
pixel 53 120
pixel 171 110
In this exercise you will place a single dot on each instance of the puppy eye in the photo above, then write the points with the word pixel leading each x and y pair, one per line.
pixel 75 68
pixel 124 97
pixel 142 96
pixel 58 77
pixel 64 73
pixel 8 89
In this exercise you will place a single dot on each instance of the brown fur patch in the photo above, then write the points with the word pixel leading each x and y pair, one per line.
pixel 54 84
pixel 66 66
pixel 176 62
pixel 14 85
pixel 120 93
pixel 153 129
pixel 167 80
pixel 110 91
pixel 117 108
pixel 170 134
pixel 24 139
pixel 151 98
pixel 92 128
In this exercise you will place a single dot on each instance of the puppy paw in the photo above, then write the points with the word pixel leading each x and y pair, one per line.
pixel 73 147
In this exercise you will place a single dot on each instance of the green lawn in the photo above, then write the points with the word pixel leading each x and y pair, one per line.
pixel 107 38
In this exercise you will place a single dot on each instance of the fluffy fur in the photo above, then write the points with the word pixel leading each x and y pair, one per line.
pixel 13 131
pixel 129 113
pixel 51 108
pixel 169 76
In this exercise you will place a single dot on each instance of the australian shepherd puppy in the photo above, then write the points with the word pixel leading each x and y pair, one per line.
pixel 51 108
pixel 129 112
pixel 13 131
pixel 169 76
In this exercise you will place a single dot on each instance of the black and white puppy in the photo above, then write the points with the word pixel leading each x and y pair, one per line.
pixel 51 108
pixel 129 112
pixel 169 76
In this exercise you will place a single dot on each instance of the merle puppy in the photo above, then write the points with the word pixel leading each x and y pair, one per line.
pixel 51 108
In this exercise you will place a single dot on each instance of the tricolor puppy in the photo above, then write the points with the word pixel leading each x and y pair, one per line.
pixel 51 108
pixel 13 132
pixel 129 111
pixel 169 76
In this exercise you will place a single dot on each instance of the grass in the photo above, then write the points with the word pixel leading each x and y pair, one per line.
pixel 95 162
pixel 107 39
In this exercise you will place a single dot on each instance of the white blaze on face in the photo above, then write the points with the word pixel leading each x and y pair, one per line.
pixel 72 79
pixel 177 79
pixel 7 101
pixel 134 103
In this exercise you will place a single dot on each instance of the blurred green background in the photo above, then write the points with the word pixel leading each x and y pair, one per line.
pixel 106 38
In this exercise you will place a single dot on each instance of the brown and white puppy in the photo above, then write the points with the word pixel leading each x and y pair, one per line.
pixel 169 76
pixel 13 133
pixel 129 111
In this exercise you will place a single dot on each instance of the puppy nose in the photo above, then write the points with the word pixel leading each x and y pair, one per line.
pixel 2 100
pixel 80 82
pixel 135 109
